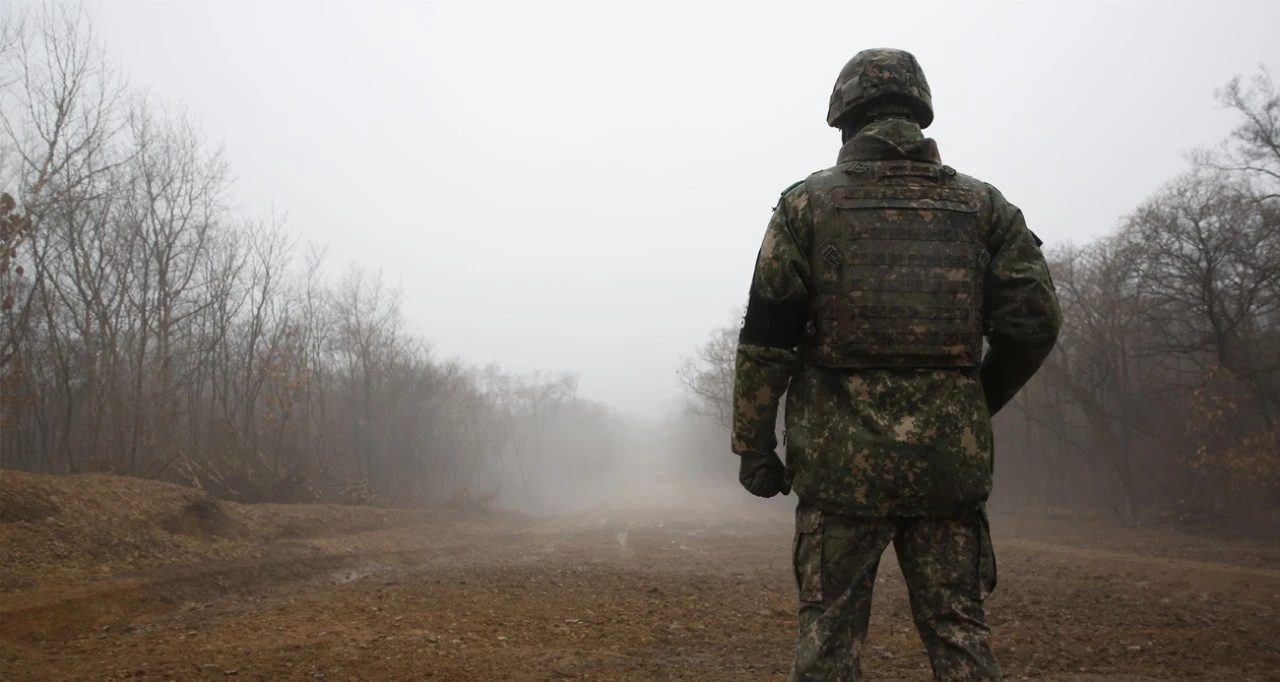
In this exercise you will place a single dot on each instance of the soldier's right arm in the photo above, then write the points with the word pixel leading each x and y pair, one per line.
pixel 1021 306
pixel 772 328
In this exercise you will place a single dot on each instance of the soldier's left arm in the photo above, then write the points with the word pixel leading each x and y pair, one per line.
pixel 1021 306
pixel 772 328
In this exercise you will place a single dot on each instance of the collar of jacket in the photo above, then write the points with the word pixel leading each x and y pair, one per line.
pixel 887 140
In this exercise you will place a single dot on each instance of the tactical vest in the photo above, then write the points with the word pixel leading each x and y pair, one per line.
pixel 898 262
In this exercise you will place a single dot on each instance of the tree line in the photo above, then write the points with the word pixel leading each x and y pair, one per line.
pixel 1162 397
pixel 147 328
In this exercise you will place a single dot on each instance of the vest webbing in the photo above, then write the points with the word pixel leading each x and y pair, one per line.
pixel 898 262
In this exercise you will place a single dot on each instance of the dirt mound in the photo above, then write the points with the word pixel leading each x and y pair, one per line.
pixel 26 505
pixel 204 518
pixel 88 526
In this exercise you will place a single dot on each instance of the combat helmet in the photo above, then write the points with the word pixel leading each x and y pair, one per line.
pixel 878 75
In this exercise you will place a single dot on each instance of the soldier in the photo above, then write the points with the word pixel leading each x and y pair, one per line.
pixel 875 286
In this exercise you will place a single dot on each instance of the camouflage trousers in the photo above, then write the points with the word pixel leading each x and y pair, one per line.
pixel 949 568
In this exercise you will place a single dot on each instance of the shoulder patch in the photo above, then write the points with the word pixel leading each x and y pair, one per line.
pixel 790 187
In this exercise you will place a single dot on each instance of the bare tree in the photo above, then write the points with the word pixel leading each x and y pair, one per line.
pixel 58 117
pixel 708 376
pixel 149 329
pixel 1253 149
pixel 1167 376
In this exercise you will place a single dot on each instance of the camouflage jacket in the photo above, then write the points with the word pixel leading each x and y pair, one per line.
pixel 886 442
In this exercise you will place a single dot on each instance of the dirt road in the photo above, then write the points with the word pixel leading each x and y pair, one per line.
pixel 616 593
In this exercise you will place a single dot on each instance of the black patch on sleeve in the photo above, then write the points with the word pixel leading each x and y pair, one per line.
pixel 774 324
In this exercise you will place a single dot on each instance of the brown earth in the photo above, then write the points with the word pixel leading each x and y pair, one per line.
pixel 108 578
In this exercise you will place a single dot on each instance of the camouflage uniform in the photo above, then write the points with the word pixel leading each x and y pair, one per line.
pixel 883 449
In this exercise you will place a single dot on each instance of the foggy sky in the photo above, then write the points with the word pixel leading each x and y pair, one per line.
pixel 583 185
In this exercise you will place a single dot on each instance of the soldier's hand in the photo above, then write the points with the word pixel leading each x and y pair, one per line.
pixel 763 474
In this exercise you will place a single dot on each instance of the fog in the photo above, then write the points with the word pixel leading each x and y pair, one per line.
pixel 580 186
pixel 492 254
pixel 396 340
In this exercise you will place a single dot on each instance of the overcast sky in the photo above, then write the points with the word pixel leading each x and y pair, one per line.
pixel 583 185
